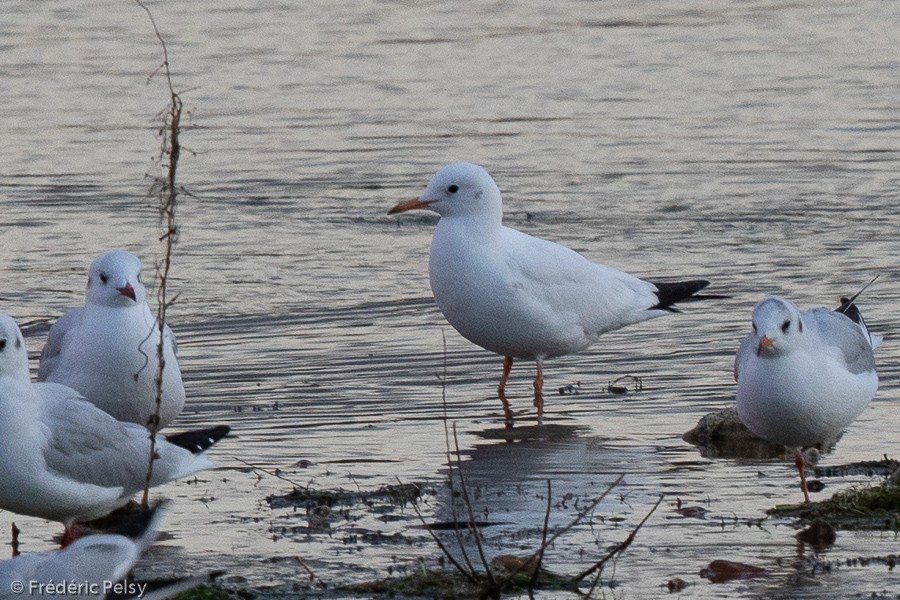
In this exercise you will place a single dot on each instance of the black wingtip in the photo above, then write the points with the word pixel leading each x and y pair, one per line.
pixel 199 440
pixel 681 291
pixel 134 523
pixel 849 309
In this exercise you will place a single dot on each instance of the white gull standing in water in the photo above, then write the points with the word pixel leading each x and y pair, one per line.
pixel 107 350
pixel 802 377
pixel 521 296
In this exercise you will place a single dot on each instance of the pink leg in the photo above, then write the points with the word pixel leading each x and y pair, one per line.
pixel 798 460
pixel 68 536
pixel 539 388
pixel 15 540
pixel 501 389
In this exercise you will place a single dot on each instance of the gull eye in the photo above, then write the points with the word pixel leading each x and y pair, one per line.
pixel 453 188
pixel 2 344
pixel 785 326
pixel 104 277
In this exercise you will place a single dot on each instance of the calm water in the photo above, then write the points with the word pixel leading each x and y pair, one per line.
pixel 755 143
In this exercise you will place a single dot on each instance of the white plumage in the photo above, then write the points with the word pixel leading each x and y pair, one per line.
pixel 61 457
pixel 518 295
pixel 107 350
pixel 802 377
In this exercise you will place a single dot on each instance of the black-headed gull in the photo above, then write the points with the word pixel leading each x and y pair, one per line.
pixel 88 568
pixel 802 377
pixel 518 295
pixel 63 459
pixel 107 350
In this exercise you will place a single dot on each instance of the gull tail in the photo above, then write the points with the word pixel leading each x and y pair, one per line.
pixel 848 307
pixel 142 527
pixel 199 440
pixel 681 291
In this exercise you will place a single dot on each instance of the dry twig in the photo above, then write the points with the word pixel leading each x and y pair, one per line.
pixel 167 191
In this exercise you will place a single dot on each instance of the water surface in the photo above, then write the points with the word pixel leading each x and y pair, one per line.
pixel 754 144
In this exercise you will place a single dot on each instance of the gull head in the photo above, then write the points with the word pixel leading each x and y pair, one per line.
pixel 458 189
pixel 114 280
pixel 777 327
pixel 13 354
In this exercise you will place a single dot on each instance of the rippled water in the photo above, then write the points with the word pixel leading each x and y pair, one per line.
pixel 751 143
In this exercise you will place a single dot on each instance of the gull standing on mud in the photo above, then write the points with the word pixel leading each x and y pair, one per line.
pixel 802 377
pixel 107 350
pixel 63 459
pixel 521 296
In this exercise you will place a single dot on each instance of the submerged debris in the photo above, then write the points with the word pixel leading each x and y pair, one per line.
pixel 451 585
pixel 572 388
pixel 819 535
pixel 676 584
pixel 886 467
pixel 399 494
pixel 616 386
pixel 720 571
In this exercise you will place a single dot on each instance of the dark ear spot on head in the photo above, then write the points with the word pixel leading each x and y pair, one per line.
pixel 18 343
pixel 799 324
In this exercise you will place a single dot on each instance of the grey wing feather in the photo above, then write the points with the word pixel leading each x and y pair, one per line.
pixel 97 558
pixel 70 320
pixel 90 446
pixel 92 559
pixel 745 350
pixel 838 331
pixel 169 336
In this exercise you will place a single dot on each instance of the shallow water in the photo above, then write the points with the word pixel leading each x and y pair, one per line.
pixel 754 144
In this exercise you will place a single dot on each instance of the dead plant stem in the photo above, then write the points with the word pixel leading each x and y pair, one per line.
pixel 457 531
pixel 167 191
pixel 619 548
pixel 476 533
pixel 540 553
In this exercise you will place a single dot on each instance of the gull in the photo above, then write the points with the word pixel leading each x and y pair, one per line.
pixel 63 459
pixel 521 296
pixel 803 376
pixel 107 350
pixel 92 563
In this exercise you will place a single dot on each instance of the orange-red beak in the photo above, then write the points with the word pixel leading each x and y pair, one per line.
pixel 406 205
pixel 765 343
pixel 127 291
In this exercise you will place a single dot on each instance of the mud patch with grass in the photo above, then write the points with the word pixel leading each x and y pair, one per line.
pixel 862 507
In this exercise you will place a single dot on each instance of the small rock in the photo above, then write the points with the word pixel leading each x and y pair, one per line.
pixel 697 512
pixel 720 571
pixel 815 486
pixel 515 564
pixel 818 535
pixel 721 434
pixel 676 584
